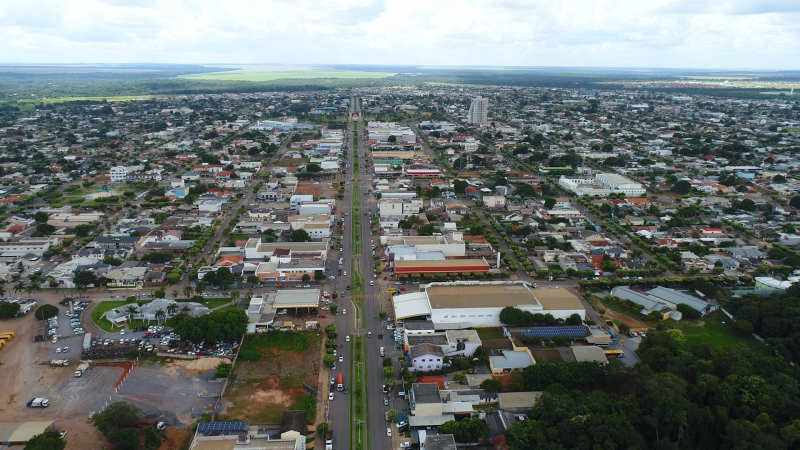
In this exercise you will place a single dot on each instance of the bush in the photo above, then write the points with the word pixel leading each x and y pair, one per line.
pixel 45 312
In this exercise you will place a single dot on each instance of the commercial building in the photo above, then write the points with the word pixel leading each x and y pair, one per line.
pixel 664 300
pixel 441 266
pixel 465 304
pixel 395 207
pixel 119 174
pixel 620 184
pixel 479 111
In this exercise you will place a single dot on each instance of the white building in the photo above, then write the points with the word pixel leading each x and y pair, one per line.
pixel 119 174
pixel 400 207
pixel 620 184
pixel 296 199
pixel 479 111
pixel 478 304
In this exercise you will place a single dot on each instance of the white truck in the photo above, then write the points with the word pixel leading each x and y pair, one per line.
pixel 87 341
pixel 59 362
pixel 39 403
pixel 82 368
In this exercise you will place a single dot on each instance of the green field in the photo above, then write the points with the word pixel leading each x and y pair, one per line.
pixel 270 74
pixel 714 330
pixel 104 307
pixel 490 333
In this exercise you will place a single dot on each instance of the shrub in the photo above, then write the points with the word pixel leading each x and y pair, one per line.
pixel 249 355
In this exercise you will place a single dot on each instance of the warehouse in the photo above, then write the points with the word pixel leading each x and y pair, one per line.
pixel 441 266
pixel 17 433
pixel 297 299
pixel 466 304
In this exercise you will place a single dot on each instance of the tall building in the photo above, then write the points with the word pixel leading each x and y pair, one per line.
pixel 479 111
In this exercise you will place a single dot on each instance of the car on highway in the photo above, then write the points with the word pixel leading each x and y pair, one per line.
pixel 347 338
pixel 389 432
pixel 386 402
pixel 330 396
pixel 344 311
pixel 341 358
pixel 402 289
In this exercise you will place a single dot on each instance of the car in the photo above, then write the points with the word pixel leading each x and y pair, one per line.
pixel 322 316
pixel 324 308
pixel 380 336
pixel 58 350
pixel 386 414
pixel 389 432
pixel 334 352
pixel 341 358
pixel 402 289
pixel 122 332
pixel 345 273
pixel 333 380
pixel 347 338
pixel 62 434
pixel 401 424
pixel 398 283
pixel 344 311
pixel 280 286
pixel 369 334
pixel 641 333
pixel 390 327
pixel 371 283
pixel 405 444
pixel 634 334
pixel 65 350
pixel 386 402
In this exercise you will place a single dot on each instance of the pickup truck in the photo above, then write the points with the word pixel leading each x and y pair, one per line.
pixel 39 403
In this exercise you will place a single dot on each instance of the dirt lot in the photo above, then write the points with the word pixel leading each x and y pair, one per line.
pixel 323 189
pixel 177 389
pixel 266 388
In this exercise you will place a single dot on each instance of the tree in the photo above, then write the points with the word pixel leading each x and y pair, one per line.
pixel 45 312
pixel 330 330
pixel 747 205
pixel 235 295
pixel 117 416
pixel 300 235
pixel 322 429
pixel 549 202
pixel 334 308
pixel 466 431
pixel 225 277
pixel 41 217
pixel 200 287
pixel 459 186
pixel 319 276
pixel 305 278
pixel 388 372
pixel 8 309
pixel 795 202
pixel 743 327
pixel 19 287
pixel 329 360
pixel 131 310
pixel 160 293
pixel 84 277
pixel 45 228
pixel 313 168
pixel 427 230
pixel 161 315
pixel 49 440
pixel 688 312
pixel 393 414
pixel 252 279
pixel 187 291
pixel 171 308
pixel 682 187
pixel 492 385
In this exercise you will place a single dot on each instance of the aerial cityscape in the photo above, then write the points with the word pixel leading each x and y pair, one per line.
pixel 497 229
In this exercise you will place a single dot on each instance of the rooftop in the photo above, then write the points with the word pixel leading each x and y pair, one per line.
pixel 479 295
pixel 297 298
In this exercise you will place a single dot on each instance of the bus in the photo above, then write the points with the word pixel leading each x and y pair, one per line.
pixel 391 290
pixel 612 353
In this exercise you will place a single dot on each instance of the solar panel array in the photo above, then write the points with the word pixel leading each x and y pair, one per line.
pixel 548 332
pixel 222 426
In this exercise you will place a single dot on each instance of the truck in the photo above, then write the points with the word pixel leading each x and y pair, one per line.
pixel 82 368
pixel 340 383
pixel 329 440
pixel 87 341
pixel 59 362
pixel 39 403
pixel 8 335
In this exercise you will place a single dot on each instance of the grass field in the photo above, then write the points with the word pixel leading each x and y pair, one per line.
pixel 119 98
pixel 714 330
pixel 104 307
pixel 275 73
pixel 490 333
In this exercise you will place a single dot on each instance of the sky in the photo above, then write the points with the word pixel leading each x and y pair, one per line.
pixel 709 34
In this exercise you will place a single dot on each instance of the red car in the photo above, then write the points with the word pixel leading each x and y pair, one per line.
pixel 280 286
pixel 322 316
pixel 402 289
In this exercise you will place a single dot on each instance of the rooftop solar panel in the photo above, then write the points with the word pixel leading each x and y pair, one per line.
pixel 222 426
pixel 571 331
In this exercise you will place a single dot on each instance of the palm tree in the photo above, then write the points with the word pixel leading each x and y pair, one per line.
pixel 185 310
pixel 131 310
pixel 174 294
pixel 33 287
pixel 199 287
pixel 19 287
pixel 171 308
pixel 235 296
pixel 187 291
pixel 160 315
pixel 81 288
pixel 2 290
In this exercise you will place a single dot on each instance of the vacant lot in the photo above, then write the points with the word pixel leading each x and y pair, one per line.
pixel 264 389
pixel 323 189
pixel 714 330
pixel 490 333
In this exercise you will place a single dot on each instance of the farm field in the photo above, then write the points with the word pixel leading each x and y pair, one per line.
pixel 278 73
pixel 265 388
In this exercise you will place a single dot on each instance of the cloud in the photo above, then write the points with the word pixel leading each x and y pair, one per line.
pixel 623 33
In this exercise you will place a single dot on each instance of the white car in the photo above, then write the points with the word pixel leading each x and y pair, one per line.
pixel 347 338
pixel 341 358
pixel 405 444
pixel 58 350
pixel 389 432
pixel 65 350
pixel 344 311
pixel 386 402
pixel 330 396
pixel 334 352
pixel 122 332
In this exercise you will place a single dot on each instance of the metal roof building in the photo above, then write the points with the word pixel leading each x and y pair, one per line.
pixel 17 433
pixel 297 298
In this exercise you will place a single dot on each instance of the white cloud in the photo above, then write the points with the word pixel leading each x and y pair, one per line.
pixel 631 33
